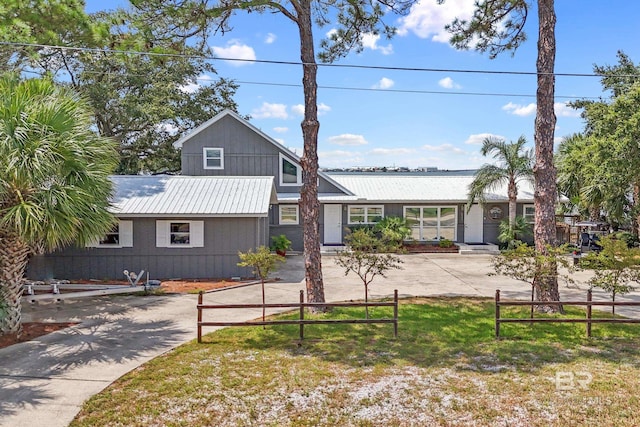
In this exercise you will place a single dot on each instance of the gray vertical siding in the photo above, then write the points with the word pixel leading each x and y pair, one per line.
pixel 246 153
pixel 223 238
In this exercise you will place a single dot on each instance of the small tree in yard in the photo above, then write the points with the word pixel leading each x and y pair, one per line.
pixel 526 264
pixel 615 266
pixel 263 263
pixel 365 257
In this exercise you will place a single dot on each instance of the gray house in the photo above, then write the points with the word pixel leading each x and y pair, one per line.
pixel 239 187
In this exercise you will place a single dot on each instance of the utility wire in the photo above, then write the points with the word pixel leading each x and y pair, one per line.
pixel 274 62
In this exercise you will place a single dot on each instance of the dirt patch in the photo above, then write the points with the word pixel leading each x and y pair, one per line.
pixel 194 286
pixel 31 331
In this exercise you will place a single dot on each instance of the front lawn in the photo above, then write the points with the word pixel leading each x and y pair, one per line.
pixel 445 368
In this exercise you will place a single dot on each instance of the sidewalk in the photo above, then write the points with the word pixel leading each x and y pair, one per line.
pixel 44 382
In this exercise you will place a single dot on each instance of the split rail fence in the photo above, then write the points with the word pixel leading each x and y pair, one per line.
pixel 301 320
pixel 588 320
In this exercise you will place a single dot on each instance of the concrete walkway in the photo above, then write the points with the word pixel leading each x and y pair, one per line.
pixel 44 382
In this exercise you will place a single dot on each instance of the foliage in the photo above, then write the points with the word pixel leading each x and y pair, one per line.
pixel 606 156
pixel 144 102
pixel 364 257
pixel 628 238
pixel 393 230
pixel 512 235
pixel 515 165
pixel 445 243
pixel 280 243
pixel 54 185
pixel 615 267
pixel 526 264
pixel 263 263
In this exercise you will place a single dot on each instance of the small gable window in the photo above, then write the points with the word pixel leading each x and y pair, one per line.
pixel 290 173
pixel 213 158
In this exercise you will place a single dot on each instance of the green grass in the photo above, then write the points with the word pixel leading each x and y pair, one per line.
pixel 445 368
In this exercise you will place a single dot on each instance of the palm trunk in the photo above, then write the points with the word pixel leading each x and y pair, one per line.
pixel 513 198
pixel 544 170
pixel 13 262
pixel 310 206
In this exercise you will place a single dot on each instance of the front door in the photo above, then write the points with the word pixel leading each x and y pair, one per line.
pixel 473 224
pixel 332 224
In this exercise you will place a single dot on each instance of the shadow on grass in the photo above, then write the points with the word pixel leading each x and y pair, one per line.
pixel 445 332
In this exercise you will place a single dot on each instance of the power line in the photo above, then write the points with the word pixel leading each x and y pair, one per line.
pixel 275 62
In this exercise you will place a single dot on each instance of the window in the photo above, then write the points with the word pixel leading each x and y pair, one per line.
pixel 120 236
pixel 290 173
pixel 213 158
pixel 365 214
pixel 288 214
pixel 179 234
pixel 529 213
pixel 432 222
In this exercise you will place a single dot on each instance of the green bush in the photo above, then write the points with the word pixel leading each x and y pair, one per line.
pixel 445 243
pixel 393 230
pixel 627 237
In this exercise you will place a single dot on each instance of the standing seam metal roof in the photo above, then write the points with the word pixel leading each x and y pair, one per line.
pixel 164 195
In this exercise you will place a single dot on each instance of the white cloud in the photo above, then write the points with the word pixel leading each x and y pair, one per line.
pixel 167 127
pixel 478 138
pixel 384 83
pixel 281 129
pixel 448 83
pixel 270 38
pixel 370 41
pixel 519 109
pixel 270 111
pixel 339 158
pixel 235 50
pixel 427 18
pixel 392 151
pixel 449 148
pixel 348 139
pixel 563 110
pixel 298 109
pixel 193 86
pixel 279 140
pixel 558 139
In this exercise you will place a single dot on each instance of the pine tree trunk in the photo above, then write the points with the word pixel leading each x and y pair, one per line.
pixel 13 262
pixel 309 204
pixel 544 170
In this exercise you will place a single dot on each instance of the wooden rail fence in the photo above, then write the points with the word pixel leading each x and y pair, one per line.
pixel 588 320
pixel 301 321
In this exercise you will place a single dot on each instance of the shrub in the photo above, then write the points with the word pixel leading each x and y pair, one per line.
pixel 445 243
pixel 393 230
pixel 628 238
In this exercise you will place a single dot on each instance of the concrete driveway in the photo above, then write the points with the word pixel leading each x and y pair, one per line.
pixel 44 382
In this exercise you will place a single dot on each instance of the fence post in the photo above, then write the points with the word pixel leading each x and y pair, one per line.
pixel 200 316
pixel 395 313
pixel 497 313
pixel 301 314
pixel 589 296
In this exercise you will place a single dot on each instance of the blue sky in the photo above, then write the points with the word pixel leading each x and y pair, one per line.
pixel 445 130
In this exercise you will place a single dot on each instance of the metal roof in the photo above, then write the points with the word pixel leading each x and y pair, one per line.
pixel 166 195
pixel 421 188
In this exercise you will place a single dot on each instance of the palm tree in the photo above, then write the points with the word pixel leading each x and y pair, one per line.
pixel 514 165
pixel 54 184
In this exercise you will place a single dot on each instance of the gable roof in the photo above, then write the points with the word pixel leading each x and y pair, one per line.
pixel 203 196
pixel 280 147
pixel 421 188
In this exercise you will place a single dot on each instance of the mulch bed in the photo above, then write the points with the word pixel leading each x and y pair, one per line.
pixel 429 249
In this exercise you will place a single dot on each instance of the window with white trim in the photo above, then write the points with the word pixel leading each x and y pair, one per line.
pixel 432 222
pixel 290 172
pixel 120 236
pixel 529 213
pixel 363 214
pixel 213 158
pixel 289 215
pixel 179 234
